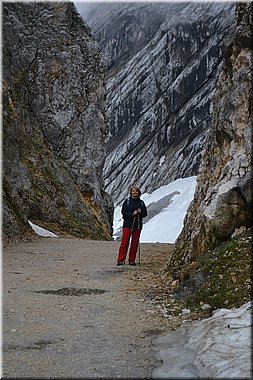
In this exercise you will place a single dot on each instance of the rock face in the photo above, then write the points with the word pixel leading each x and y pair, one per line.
pixel 223 199
pixel 160 100
pixel 134 25
pixel 54 123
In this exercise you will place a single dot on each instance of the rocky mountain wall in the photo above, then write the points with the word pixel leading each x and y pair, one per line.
pixel 123 29
pixel 222 205
pixel 160 100
pixel 54 123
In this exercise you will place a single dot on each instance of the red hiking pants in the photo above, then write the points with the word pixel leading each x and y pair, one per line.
pixel 126 234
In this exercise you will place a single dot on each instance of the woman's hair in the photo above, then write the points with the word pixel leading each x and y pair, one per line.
pixel 136 188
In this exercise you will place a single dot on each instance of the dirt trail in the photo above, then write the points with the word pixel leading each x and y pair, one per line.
pixel 96 325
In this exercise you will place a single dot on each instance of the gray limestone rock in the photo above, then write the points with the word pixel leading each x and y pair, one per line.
pixel 160 96
pixel 54 123
pixel 223 198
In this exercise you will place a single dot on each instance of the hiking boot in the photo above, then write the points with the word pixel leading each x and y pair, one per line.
pixel 120 263
pixel 132 263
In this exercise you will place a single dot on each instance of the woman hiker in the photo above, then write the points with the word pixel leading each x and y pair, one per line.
pixel 133 210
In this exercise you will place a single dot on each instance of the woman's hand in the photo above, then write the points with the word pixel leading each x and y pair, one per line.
pixel 138 211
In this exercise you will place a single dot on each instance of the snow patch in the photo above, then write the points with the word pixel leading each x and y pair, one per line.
pixel 162 159
pixel 41 231
pixel 169 205
pixel 219 346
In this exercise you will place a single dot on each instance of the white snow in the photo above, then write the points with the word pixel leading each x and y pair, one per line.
pixel 168 206
pixel 215 347
pixel 162 159
pixel 41 231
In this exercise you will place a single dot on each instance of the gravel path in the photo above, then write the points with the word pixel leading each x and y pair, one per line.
pixel 70 312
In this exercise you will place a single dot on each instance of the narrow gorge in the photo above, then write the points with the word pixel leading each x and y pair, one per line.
pixel 179 104
pixel 98 97
pixel 160 89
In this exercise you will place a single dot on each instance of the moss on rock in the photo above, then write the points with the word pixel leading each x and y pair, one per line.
pixel 220 278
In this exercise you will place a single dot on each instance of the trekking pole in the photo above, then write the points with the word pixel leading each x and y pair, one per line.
pixel 139 249
pixel 139 253
pixel 133 224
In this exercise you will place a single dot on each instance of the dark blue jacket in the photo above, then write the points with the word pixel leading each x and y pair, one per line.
pixel 133 221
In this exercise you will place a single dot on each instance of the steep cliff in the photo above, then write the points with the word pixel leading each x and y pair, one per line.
pixel 160 100
pixel 123 29
pixel 54 123
pixel 222 204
